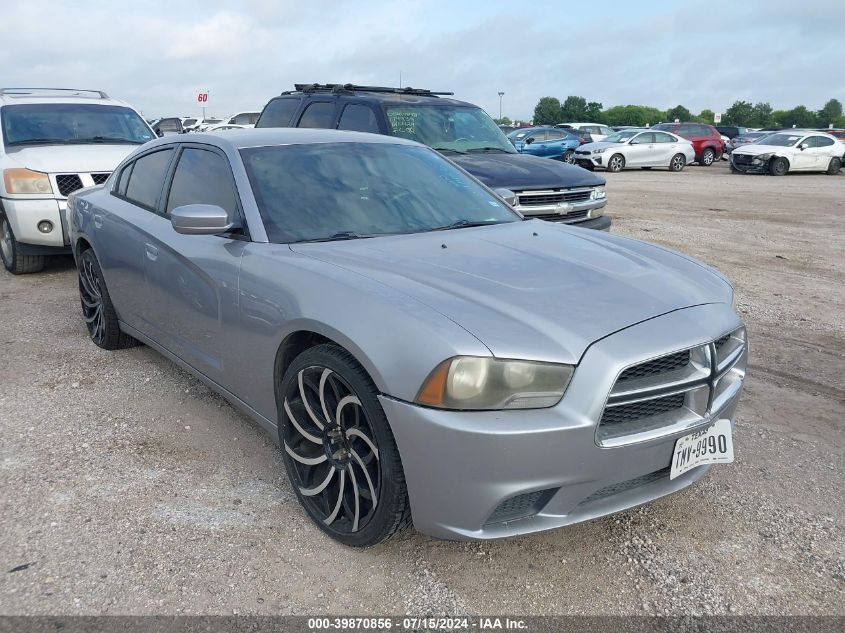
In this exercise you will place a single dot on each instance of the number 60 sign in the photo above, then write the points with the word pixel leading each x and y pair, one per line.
pixel 202 97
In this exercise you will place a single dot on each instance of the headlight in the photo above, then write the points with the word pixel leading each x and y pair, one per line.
pixel 599 151
pixel 599 193
pixel 26 181
pixel 474 383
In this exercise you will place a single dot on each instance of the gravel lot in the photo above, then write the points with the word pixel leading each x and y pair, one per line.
pixel 128 487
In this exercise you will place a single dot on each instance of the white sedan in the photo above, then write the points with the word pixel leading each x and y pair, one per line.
pixel 790 150
pixel 636 148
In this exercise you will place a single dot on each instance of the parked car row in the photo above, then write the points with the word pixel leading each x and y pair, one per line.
pixel 181 125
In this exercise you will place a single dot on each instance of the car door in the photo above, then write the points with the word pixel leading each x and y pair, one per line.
pixel 640 150
pixel 665 147
pixel 825 149
pixel 805 159
pixel 120 227
pixel 193 279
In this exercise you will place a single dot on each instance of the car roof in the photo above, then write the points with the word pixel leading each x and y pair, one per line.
pixel 383 97
pixel 262 137
pixel 16 96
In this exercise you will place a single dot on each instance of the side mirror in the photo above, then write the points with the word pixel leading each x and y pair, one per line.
pixel 200 219
pixel 159 132
pixel 507 195
pixel 529 140
pixel 803 146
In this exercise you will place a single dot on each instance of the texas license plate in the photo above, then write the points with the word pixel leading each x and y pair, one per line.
pixel 712 445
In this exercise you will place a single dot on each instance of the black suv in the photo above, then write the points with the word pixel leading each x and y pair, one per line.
pixel 544 188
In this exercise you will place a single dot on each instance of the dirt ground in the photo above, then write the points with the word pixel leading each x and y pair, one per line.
pixel 128 487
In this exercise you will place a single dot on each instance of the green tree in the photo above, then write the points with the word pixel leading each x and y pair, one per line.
pixel 761 115
pixel 679 112
pixel 706 116
pixel 547 111
pixel 594 112
pixel 633 115
pixel 740 113
pixel 573 109
pixel 503 121
pixel 800 116
pixel 830 114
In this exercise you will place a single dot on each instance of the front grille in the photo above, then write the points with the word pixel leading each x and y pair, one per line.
pixel 520 506
pixel 99 179
pixel 658 366
pixel 68 183
pixel 642 409
pixel 532 198
pixel 557 217
pixel 582 153
pixel 742 159
pixel 624 486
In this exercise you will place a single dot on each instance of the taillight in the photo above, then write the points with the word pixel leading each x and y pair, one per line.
pixel 581 141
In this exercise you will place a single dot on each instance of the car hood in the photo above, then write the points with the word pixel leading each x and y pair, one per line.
pixel 532 289
pixel 753 149
pixel 520 171
pixel 70 158
pixel 600 145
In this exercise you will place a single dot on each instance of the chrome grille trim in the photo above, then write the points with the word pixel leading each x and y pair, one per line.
pixel 660 396
pixel 545 197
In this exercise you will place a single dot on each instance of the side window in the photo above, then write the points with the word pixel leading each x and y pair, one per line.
pixel 123 180
pixel 555 135
pixel 823 141
pixel 539 136
pixel 686 131
pixel 279 112
pixel 247 118
pixel 662 137
pixel 606 131
pixel 147 178
pixel 202 177
pixel 703 130
pixel 644 139
pixel 317 114
pixel 358 118
pixel 593 129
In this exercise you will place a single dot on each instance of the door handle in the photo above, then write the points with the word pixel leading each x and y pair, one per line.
pixel 98 221
pixel 152 252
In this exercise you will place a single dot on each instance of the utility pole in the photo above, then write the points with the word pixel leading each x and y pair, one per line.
pixel 501 94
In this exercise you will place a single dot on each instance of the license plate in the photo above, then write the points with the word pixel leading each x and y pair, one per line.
pixel 712 445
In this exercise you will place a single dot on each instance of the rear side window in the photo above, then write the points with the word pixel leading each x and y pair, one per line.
pixel 279 112
pixel 539 135
pixel 317 114
pixel 606 130
pixel 554 135
pixel 247 118
pixel 358 118
pixel 123 180
pixel 686 131
pixel 662 137
pixel 822 141
pixel 202 177
pixel 645 137
pixel 147 178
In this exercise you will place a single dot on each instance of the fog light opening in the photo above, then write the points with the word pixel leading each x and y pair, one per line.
pixel 45 226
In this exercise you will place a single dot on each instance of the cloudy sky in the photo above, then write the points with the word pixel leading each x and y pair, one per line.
pixel 157 55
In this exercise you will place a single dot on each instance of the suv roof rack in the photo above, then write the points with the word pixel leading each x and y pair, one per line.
pixel 42 92
pixel 355 88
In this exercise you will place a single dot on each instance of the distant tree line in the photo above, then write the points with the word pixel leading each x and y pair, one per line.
pixel 549 110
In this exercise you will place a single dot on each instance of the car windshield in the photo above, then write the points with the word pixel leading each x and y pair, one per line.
pixel 71 123
pixel 455 128
pixel 782 140
pixel 332 191
pixel 621 137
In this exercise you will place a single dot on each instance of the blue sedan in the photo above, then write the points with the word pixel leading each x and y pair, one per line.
pixel 547 142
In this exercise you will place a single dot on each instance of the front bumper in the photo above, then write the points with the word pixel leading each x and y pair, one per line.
pixel 24 216
pixel 461 467
pixel 748 167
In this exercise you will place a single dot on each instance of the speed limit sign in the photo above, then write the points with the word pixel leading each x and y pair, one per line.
pixel 202 97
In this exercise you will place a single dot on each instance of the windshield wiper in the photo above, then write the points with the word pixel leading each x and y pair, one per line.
pixel 341 235
pixel 440 148
pixel 466 224
pixel 106 139
pixel 40 141
pixel 489 149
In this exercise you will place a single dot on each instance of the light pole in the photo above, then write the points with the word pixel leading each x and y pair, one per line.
pixel 501 94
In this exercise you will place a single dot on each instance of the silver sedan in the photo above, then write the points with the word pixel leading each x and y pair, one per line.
pixel 420 350
pixel 641 148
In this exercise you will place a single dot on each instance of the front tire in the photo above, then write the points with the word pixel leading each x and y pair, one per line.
pixel 97 309
pixel 708 156
pixel 616 163
pixel 568 157
pixel 834 166
pixel 779 166
pixel 678 162
pixel 16 262
pixel 339 451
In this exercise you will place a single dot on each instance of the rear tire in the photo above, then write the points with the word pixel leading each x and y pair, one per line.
pixel 616 163
pixel 97 309
pixel 568 157
pixel 16 262
pixel 834 167
pixel 678 162
pixel 778 166
pixel 707 156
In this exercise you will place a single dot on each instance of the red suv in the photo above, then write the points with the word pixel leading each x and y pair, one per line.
pixel 705 139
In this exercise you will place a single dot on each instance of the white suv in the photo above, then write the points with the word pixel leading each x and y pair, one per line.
pixel 597 131
pixel 55 141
